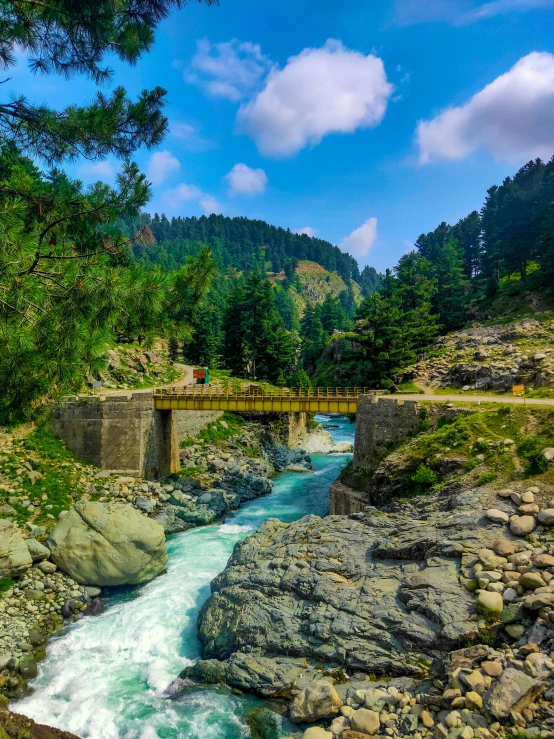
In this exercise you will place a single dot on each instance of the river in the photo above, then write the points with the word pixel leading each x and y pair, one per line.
pixel 104 677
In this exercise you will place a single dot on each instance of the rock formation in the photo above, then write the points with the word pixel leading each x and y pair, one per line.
pixel 108 544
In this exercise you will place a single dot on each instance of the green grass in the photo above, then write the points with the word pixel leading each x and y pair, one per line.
pixel 6 583
pixel 409 387
pixel 485 478
pixel 50 457
pixel 216 432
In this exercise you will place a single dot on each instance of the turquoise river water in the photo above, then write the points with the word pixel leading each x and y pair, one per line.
pixel 105 677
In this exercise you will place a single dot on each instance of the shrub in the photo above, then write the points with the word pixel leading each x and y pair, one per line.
pixel 425 477
pixel 531 451
pixel 485 478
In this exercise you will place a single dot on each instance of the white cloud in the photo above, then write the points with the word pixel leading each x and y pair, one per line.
pixel 97 171
pixel 512 118
pixel 173 200
pixel 160 166
pixel 460 12
pixel 308 230
pixel 247 181
pixel 210 205
pixel 320 91
pixel 230 70
pixel 360 241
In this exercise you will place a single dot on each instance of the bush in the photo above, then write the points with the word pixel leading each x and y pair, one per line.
pixel 531 451
pixel 485 478
pixel 425 477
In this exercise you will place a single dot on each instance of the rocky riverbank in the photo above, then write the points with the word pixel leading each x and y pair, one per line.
pixel 109 530
pixel 451 590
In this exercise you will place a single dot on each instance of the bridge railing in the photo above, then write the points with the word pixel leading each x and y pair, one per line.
pixel 209 391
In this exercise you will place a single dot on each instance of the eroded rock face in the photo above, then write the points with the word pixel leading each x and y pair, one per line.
pixel 108 544
pixel 377 592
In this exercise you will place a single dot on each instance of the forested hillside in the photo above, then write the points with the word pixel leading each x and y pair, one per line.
pixel 241 243
pixel 494 264
pixel 276 297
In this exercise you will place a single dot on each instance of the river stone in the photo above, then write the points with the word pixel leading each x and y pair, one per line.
pixel 531 581
pixel 47 567
pixel 546 517
pixel 14 555
pixel 522 525
pixel 37 550
pixel 108 544
pixel 316 732
pixel 536 601
pixel 318 700
pixel 543 560
pixel 493 514
pixel 366 721
pixel 513 691
pixel 490 601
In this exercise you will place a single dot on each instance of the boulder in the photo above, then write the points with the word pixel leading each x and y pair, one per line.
pixel 490 602
pixel 546 517
pixel 522 525
pixel 316 732
pixel 513 691
pixel 318 700
pixel 366 721
pixel 548 454
pixel 14 555
pixel 108 544
pixel 37 550
pixel 497 516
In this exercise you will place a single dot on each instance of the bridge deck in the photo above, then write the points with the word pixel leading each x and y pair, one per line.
pixel 256 400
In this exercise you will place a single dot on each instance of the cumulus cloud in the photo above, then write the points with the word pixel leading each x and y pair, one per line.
pixel 160 166
pixel 308 230
pixel 360 241
pixel 319 92
pixel 512 118
pixel 247 181
pixel 173 200
pixel 230 70
pixel 460 12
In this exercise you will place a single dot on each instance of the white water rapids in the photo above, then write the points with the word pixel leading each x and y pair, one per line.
pixel 105 677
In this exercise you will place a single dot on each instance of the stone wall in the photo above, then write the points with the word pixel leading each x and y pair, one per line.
pixel 381 423
pixel 122 433
pixel 191 423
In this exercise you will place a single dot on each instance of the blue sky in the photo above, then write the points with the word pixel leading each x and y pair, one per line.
pixel 366 122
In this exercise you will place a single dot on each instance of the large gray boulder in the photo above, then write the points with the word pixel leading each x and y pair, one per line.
pixel 14 555
pixel 108 544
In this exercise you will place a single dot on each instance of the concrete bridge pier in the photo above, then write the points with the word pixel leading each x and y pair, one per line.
pixel 121 433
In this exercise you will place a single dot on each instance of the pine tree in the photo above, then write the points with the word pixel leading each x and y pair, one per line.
pixel 173 349
pixel 314 339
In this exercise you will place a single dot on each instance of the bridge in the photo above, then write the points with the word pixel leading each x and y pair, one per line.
pixel 255 399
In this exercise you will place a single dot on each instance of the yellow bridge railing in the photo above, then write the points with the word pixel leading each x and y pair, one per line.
pixel 257 399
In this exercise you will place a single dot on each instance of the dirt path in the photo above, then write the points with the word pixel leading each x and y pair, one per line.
pixel 467 398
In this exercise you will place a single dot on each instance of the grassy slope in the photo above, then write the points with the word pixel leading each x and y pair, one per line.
pixel 495 445
pixel 317 283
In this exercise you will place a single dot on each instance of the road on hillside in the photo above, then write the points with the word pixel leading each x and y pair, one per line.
pixel 473 399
